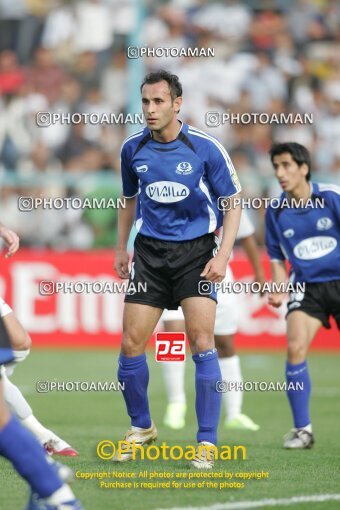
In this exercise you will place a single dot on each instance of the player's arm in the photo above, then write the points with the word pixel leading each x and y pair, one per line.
pixel 215 270
pixel 125 221
pixel 224 181
pixel 11 240
pixel 250 246
pixel 277 259
pixel 126 215
pixel 279 276
pixel 248 242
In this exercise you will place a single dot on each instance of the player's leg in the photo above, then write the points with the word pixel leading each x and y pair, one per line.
pixel 226 325
pixel 173 373
pixel 17 403
pixel 19 338
pixel 20 447
pixel 232 375
pixel 29 459
pixel 139 322
pixel 199 313
pixel 301 329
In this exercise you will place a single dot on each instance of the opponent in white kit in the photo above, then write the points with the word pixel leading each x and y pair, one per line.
pixel 21 342
pixel 226 326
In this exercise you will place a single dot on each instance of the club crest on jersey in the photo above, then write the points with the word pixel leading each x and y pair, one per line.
pixel 167 192
pixel 289 232
pixel 324 223
pixel 184 168
pixel 142 168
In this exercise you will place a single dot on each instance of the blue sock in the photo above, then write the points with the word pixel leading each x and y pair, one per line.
pixel 208 400
pixel 299 399
pixel 134 373
pixel 19 446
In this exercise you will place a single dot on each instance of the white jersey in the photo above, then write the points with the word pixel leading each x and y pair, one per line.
pixel 227 310
pixel 5 309
pixel 245 229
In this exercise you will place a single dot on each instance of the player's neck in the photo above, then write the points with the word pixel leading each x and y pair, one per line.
pixel 168 134
pixel 302 192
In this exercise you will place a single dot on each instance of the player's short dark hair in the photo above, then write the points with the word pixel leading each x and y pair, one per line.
pixel 172 80
pixel 298 152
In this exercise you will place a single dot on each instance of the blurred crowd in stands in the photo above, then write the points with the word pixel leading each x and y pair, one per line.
pixel 274 56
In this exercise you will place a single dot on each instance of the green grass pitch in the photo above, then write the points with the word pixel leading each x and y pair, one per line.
pixel 84 419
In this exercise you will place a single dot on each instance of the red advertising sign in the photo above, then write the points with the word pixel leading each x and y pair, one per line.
pixel 82 310
pixel 170 346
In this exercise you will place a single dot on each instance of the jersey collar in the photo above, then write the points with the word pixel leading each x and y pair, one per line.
pixel 180 130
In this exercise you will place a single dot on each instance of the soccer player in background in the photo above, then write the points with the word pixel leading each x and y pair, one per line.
pixel 226 326
pixel 174 174
pixel 308 235
pixel 19 446
pixel 21 342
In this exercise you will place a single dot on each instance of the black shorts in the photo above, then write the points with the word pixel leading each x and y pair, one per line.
pixel 169 270
pixel 320 300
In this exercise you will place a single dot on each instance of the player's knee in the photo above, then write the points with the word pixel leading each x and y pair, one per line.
pixel 131 344
pixel 296 351
pixel 22 341
pixel 200 340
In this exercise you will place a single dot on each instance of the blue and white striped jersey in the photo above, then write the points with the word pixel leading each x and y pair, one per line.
pixel 178 183
pixel 309 237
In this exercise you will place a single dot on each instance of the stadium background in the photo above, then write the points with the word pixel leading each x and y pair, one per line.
pixel 71 57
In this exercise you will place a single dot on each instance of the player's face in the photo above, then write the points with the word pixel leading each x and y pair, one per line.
pixel 289 174
pixel 158 107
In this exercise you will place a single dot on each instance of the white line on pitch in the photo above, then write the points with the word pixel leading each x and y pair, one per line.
pixel 243 505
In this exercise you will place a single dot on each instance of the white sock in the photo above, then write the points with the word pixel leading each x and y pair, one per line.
pixel 60 496
pixel 308 428
pixel 15 399
pixel 173 372
pixel 137 429
pixel 231 372
pixel 41 433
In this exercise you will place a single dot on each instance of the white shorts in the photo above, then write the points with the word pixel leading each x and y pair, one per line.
pixel 5 309
pixel 227 311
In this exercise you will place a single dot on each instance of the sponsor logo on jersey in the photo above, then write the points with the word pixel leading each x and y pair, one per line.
pixel 324 223
pixel 142 168
pixel 167 192
pixel 289 232
pixel 184 168
pixel 315 247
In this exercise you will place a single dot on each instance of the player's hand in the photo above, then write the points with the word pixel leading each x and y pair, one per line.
pixel 261 279
pixel 276 299
pixel 11 240
pixel 215 270
pixel 121 264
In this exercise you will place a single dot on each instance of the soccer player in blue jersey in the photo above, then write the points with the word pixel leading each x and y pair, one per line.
pixel 19 446
pixel 173 175
pixel 305 230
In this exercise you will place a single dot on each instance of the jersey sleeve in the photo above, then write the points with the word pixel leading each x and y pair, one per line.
pixel 129 178
pixel 246 227
pixel 221 172
pixel 272 240
pixel 333 197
